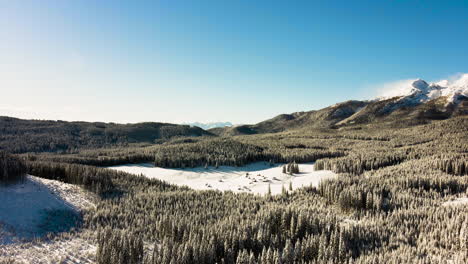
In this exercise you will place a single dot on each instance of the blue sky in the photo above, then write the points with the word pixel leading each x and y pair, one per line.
pixel 238 61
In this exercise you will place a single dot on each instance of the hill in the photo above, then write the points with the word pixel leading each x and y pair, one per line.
pixel 19 136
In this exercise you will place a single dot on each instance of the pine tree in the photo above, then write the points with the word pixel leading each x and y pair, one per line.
pixel 289 168
pixel 243 257
pixel 341 246
pixel 288 252
pixel 284 192
pixel 464 236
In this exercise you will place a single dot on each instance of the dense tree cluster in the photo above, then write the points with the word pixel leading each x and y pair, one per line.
pixel 102 181
pixel 454 164
pixel 93 158
pixel 12 169
pixel 212 152
pixel 119 247
pixel 212 227
pixel 349 194
pixel 91 178
pixel 291 168
pixel 358 163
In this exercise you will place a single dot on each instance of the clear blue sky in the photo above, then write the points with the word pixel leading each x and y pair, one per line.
pixel 238 61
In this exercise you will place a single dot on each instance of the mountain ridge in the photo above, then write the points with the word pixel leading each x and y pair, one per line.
pixel 20 135
pixel 415 103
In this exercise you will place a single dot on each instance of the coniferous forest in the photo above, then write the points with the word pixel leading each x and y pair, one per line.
pixel 389 204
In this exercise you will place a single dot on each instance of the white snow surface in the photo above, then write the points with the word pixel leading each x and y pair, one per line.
pixel 419 91
pixel 227 178
pixel 457 202
pixel 77 249
pixel 24 206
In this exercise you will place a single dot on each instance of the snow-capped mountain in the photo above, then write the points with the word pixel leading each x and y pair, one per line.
pixel 210 125
pixel 419 91
pixel 456 88
pixel 405 103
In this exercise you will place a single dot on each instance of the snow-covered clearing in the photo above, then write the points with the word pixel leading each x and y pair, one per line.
pixel 35 207
pixel 71 249
pixel 254 178
pixel 456 202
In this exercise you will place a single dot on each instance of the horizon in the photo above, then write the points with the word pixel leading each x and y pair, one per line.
pixel 179 62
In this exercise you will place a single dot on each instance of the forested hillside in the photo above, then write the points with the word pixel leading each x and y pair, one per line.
pixel 396 111
pixel 19 136
pixel 323 118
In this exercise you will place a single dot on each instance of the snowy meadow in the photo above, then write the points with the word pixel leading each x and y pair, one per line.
pixel 255 178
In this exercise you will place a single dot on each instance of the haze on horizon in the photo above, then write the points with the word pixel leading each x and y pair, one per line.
pixel 243 62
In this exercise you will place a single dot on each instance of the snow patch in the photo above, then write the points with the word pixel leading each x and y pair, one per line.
pixel 254 178
pixel 36 206
pixel 77 249
pixel 457 88
pixel 457 202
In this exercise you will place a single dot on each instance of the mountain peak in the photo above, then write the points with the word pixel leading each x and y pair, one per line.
pixel 420 91
pixel 420 84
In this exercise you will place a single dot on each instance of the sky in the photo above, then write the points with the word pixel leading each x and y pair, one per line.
pixel 240 61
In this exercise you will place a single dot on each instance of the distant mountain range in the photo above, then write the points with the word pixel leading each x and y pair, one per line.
pixel 413 104
pixel 210 125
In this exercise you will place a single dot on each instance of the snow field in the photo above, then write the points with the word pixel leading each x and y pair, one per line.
pixel 30 209
pixel 254 178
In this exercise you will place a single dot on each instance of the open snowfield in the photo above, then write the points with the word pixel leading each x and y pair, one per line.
pixel 33 208
pixel 227 178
